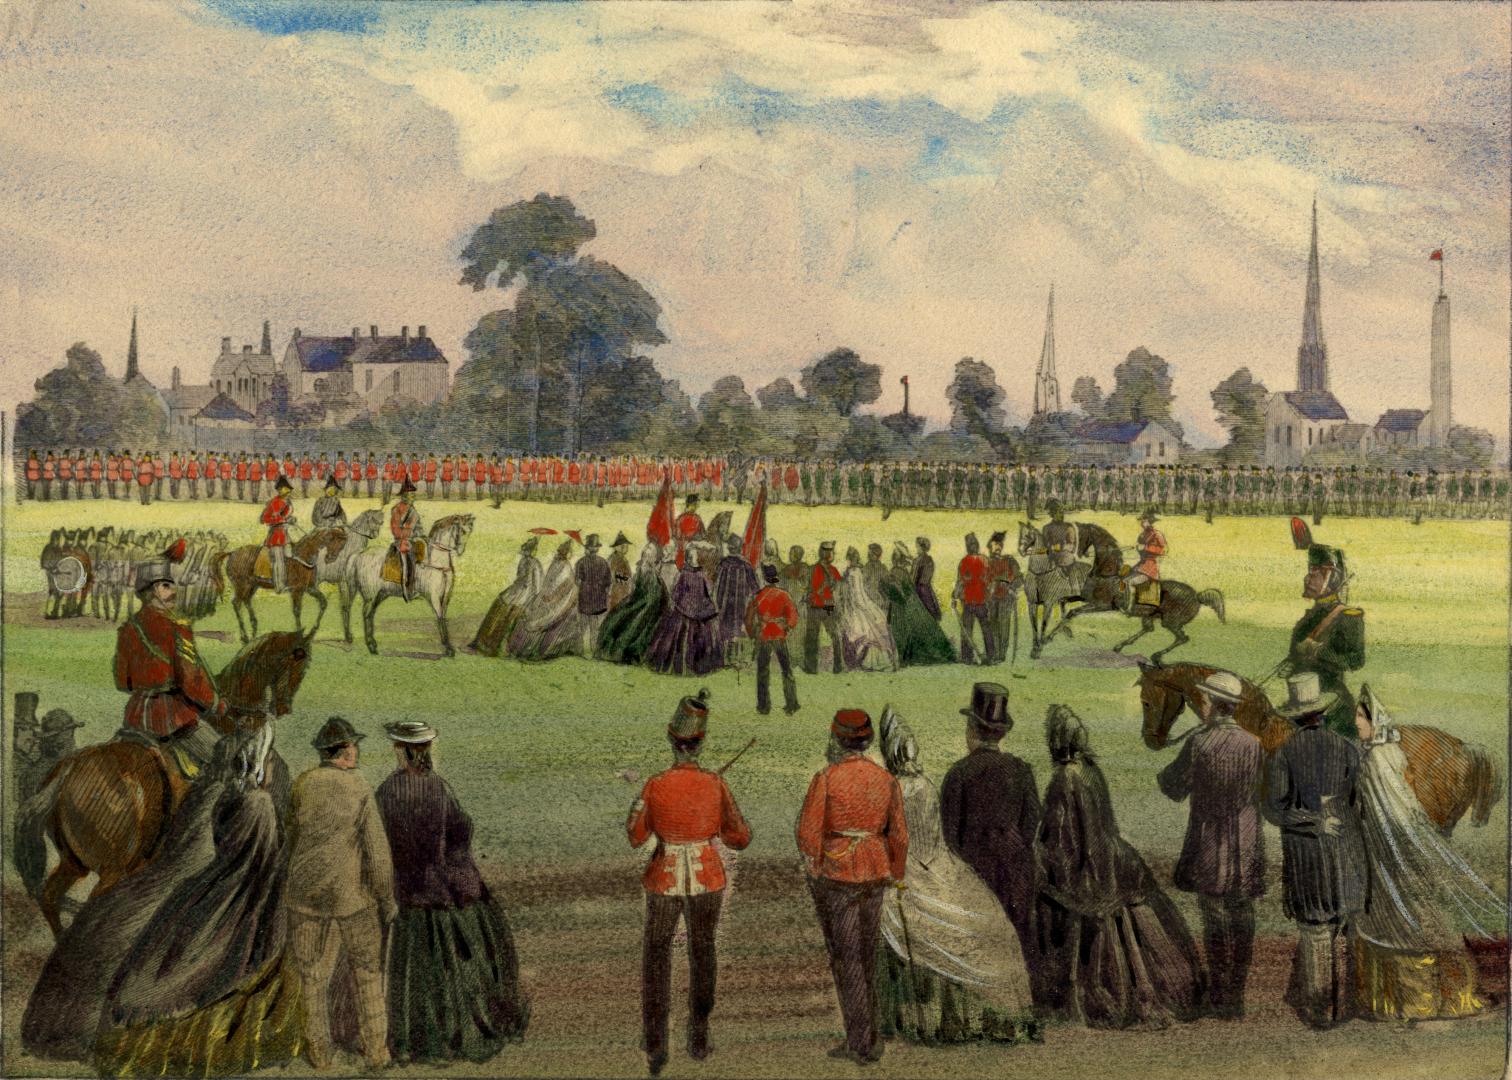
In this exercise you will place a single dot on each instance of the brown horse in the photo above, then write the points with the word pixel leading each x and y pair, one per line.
pixel 299 568
pixel 106 807
pixel 1449 776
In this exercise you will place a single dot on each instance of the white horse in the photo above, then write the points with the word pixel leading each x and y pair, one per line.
pixel 434 578
pixel 1046 585
pixel 360 532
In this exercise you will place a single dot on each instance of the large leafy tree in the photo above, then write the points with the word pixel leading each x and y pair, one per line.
pixel 1240 404
pixel 532 367
pixel 842 381
pixel 80 404
pixel 1087 396
pixel 1142 390
pixel 976 400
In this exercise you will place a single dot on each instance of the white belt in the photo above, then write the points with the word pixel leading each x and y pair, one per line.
pixel 687 861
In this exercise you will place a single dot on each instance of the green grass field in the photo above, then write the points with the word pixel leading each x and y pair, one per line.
pixel 533 752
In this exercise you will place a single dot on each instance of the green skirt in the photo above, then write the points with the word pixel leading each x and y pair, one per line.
pixel 932 1009
pixel 454 984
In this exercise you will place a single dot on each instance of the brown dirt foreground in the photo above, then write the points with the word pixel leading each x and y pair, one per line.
pixel 578 937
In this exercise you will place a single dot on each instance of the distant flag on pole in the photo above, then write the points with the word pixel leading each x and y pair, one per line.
pixel 576 534
pixel 755 530
pixel 659 528
pixel 541 530
pixel 1437 256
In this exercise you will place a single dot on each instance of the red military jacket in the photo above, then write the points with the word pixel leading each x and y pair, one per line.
pixel 306 468
pixel 276 515
pixel 773 610
pixel 65 467
pixel 157 468
pixel 480 471
pixel 1152 545
pixel 112 467
pixel 193 469
pixel 415 470
pixel 34 469
pixel 49 467
pixel 687 527
pixel 340 470
pixel 791 476
pixel 175 467
pixel 254 472
pixel 575 473
pixel 402 523
pixel 241 468
pixel 448 470
pixel 509 470
pixel 96 468
pixel 1000 570
pixel 144 472
pixel 290 468
pixel 226 468
pixel 972 575
pixel 270 469
pixel 496 472
pixel 685 808
pixel 822 585
pixel 430 469
pixel 851 827
pixel 372 468
pixel 157 664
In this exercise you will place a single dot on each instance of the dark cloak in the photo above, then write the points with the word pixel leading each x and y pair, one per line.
pixel 734 587
pixel 685 641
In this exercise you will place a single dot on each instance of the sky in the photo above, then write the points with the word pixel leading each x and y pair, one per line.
pixel 906 179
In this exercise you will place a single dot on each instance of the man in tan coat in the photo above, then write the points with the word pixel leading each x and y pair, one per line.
pixel 341 892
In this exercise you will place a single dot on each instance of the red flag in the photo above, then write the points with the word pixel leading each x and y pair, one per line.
pixel 755 530
pixel 659 528
pixel 1437 256
pixel 576 534
pixel 542 531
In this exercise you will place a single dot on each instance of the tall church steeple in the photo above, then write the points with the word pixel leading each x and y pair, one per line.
pixel 1046 388
pixel 1312 354
pixel 131 351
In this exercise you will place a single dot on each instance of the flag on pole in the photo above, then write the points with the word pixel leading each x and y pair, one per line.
pixel 659 528
pixel 541 530
pixel 755 530
pixel 1437 256
pixel 576 534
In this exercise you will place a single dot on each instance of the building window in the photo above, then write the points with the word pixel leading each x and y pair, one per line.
pixel 369 380
pixel 1309 436
pixel 1148 448
pixel 1288 434
pixel 1162 449
pixel 1278 434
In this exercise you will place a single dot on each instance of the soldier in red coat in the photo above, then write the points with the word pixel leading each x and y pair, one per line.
pixel 254 479
pixel 479 476
pixel 448 474
pixel 821 610
pixel 430 476
pixel 404 523
pixel 278 514
pixel 853 834
pixel 684 809
pixel 306 474
pixel 145 478
pixel 688 527
pixel 156 662
pixel 192 474
pixel 770 617
pixel 370 470
pixel 96 474
pixel 973 583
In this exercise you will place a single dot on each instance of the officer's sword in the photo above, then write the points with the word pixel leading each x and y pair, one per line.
pixel 721 770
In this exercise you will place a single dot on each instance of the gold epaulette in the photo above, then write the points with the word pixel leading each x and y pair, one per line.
pixel 1355 611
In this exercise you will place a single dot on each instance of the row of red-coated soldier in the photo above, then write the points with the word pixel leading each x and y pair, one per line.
pixel 249 477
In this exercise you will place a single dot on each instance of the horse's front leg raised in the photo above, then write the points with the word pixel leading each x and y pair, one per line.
pixel 1146 625
pixel 1180 639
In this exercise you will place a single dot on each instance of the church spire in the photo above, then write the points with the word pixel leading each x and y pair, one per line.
pixel 131 350
pixel 1046 388
pixel 1312 354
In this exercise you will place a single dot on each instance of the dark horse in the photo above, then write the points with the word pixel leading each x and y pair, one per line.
pixel 106 807
pixel 299 569
pixel 1104 587
pixel 1449 776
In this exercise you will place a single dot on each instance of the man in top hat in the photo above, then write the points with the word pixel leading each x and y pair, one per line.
pixel 157 663
pixel 277 515
pixel 685 808
pixel 1310 796
pixel 821 610
pixel 770 616
pixel 1329 639
pixel 990 809
pixel 1002 578
pixel 594 580
pixel 340 892
pixel 1223 858
pixel 852 832
pixel 621 577
pixel 328 512
pixel 973 583
pixel 404 523
pixel 687 528
pixel 1142 585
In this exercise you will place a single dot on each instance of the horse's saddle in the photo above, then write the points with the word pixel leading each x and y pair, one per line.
pixel 391 569
pixel 1147 593
pixel 263 567
pixel 175 757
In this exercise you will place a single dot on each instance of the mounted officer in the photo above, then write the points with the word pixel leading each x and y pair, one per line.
pixel 157 663
pixel 1059 537
pixel 404 523
pixel 1142 585
pixel 1329 639
pixel 278 514
pixel 328 512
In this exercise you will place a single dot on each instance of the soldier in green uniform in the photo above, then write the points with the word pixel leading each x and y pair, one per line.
pixel 1329 639
pixel 1502 483
pixel 1484 508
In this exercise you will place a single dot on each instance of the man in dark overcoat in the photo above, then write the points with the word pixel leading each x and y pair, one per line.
pixel 990 810
pixel 594 580
pixel 1311 798
pixel 1220 769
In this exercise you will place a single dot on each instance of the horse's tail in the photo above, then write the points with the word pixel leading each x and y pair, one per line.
pixel 1486 782
pixel 29 847
pixel 1214 599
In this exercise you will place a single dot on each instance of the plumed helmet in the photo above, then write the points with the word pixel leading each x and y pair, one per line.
pixel 691 719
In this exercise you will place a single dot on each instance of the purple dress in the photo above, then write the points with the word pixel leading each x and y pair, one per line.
pixel 686 641
pixel 734 587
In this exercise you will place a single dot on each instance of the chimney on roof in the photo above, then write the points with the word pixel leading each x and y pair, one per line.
pixel 175 383
pixel 296 333
pixel 225 344
pixel 404 335
pixel 421 334
pixel 373 331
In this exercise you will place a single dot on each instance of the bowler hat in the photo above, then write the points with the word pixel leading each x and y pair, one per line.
pixel 592 543
pixel 691 718
pixel 1305 698
pixel 851 724
pixel 336 732
pixel 1149 515
pixel 989 709
pixel 410 731
pixel 59 720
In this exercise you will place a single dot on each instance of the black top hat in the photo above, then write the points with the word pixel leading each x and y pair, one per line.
pixel 406 488
pixel 592 543
pixel 336 731
pixel 989 709
pixel 282 484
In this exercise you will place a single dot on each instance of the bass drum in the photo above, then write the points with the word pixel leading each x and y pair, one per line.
pixel 69 576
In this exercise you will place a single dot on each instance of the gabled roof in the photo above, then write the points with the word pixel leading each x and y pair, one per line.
pixel 1121 431
pixel 1351 432
pixel 319 354
pixel 1402 419
pixel 1316 404
pixel 193 398
pixel 221 407
pixel 323 354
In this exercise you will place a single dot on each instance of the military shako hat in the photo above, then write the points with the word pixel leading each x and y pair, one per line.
pixel 989 709
pixel 151 571
pixel 691 718
pixel 336 731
